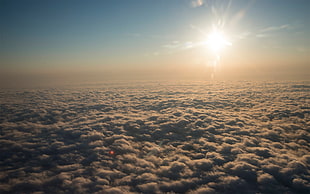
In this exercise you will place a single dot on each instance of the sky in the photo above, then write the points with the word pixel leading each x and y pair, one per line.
pixel 264 39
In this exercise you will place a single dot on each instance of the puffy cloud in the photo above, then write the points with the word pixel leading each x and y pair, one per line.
pixel 242 169
pixel 231 184
pixel 146 137
pixel 151 187
pixel 203 190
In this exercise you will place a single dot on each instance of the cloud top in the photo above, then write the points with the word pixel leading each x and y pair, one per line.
pixel 192 137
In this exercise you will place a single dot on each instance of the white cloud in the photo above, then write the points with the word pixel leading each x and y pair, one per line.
pixel 193 137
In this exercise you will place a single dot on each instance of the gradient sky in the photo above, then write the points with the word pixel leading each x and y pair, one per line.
pixel 267 36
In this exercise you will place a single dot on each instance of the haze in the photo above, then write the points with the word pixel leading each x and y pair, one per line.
pixel 165 96
pixel 155 39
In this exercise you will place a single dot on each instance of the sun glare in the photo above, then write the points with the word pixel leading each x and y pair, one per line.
pixel 216 41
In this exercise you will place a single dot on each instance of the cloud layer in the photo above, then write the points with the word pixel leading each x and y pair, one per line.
pixel 182 137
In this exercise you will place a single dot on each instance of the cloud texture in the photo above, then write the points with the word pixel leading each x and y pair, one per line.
pixel 178 137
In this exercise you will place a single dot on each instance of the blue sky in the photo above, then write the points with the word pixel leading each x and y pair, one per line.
pixel 54 34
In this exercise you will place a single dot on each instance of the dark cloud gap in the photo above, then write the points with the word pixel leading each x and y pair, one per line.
pixel 194 137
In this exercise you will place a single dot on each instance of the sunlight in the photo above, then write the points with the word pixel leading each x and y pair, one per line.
pixel 216 41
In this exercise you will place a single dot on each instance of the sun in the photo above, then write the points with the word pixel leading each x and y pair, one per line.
pixel 216 41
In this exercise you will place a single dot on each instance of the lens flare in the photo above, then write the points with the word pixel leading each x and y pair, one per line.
pixel 216 41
